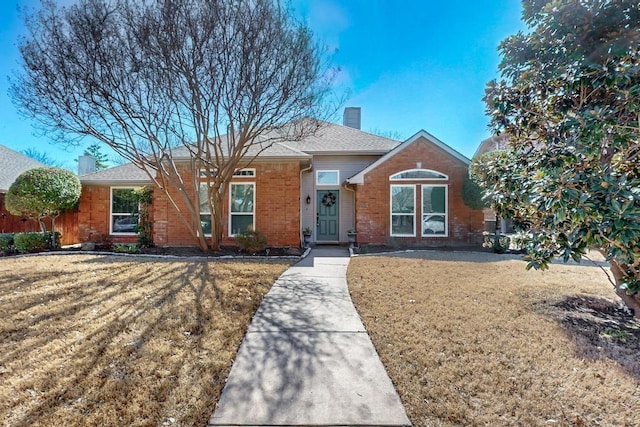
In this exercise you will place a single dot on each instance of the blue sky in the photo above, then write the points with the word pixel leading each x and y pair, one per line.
pixel 409 64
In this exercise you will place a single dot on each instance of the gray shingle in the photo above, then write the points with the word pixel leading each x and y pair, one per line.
pixel 330 139
pixel 12 164
pixel 124 174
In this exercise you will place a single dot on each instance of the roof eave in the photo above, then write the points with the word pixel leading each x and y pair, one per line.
pixel 348 153
pixel 359 177
pixel 116 182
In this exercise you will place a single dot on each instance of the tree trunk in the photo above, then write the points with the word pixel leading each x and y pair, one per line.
pixel 631 301
pixel 217 210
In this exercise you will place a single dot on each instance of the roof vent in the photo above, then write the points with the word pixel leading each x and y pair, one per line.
pixel 351 117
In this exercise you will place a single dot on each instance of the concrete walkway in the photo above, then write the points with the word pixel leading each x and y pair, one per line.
pixel 307 359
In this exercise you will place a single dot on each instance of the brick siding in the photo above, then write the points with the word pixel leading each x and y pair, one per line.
pixel 373 198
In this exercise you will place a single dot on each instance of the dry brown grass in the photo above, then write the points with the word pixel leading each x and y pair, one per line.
pixel 106 340
pixel 475 339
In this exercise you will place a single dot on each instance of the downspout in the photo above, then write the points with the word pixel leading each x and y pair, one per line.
pixel 346 187
pixel 308 169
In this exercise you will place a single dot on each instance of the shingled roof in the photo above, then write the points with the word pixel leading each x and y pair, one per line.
pixel 127 174
pixel 12 164
pixel 338 139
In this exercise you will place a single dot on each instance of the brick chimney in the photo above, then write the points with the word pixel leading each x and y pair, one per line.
pixel 351 117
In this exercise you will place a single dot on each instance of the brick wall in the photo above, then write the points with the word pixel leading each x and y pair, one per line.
pixel 373 198
pixel 94 216
pixel 277 207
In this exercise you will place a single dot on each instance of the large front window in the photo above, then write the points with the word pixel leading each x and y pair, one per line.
pixel 124 211
pixel 403 203
pixel 205 211
pixel 241 208
pixel 434 210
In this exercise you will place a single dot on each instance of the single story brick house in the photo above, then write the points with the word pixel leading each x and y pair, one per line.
pixel 407 193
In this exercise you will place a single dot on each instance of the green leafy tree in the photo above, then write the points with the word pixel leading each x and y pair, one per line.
pixel 43 193
pixel 569 100
pixel 472 193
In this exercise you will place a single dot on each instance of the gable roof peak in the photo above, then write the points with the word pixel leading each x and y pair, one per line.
pixel 359 177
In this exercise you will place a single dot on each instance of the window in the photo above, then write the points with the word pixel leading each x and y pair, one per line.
pixel 124 211
pixel 434 210
pixel 327 177
pixel 245 172
pixel 418 174
pixel 205 212
pixel 241 208
pixel 403 203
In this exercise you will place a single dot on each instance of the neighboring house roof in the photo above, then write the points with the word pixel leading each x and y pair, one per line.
pixel 127 174
pixel 12 164
pixel 359 177
pixel 496 142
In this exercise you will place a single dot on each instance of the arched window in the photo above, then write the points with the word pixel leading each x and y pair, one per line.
pixel 418 174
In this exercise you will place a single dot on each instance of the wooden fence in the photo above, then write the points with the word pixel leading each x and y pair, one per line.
pixel 66 224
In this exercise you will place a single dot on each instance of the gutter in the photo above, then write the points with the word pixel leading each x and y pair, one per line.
pixel 308 169
pixel 345 185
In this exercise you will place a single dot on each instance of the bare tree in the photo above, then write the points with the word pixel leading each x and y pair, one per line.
pixel 212 82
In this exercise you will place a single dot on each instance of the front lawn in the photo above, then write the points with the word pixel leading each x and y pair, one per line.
pixel 475 339
pixel 107 340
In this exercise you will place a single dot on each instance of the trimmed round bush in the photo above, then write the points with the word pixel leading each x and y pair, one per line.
pixel 251 241
pixel 43 192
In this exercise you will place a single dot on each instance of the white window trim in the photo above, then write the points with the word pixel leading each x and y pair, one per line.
pixel 337 172
pixel 445 214
pixel 445 176
pixel 391 214
pixel 236 173
pixel 112 213
pixel 253 224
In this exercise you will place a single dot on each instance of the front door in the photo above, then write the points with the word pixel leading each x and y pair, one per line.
pixel 327 215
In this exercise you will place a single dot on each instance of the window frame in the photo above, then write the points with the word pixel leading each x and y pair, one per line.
pixel 112 213
pixel 200 186
pixel 253 204
pixel 443 178
pixel 238 173
pixel 424 214
pixel 333 184
pixel 391 213
pixel 244 173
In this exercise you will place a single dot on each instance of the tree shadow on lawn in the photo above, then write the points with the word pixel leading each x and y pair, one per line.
pixel 481 257
pixel 601 328
pixel 290 362
pixel 127 347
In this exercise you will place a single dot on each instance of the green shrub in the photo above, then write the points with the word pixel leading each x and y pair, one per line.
pixel 6 243
pixel 472 194
pixel 251 241
pixel 499 244
pixel 30 242
pixel 126 248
